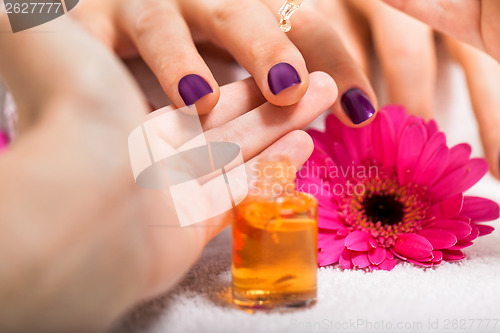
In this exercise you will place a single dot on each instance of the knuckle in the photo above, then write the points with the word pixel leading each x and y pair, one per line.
pixel 150 13
pixel 226 11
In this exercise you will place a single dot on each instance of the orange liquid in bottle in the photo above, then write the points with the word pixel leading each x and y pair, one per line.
pixel 275 249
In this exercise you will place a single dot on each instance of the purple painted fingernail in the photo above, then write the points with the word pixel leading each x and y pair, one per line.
pixel 282 76
pixel 192 87
pixel 357 105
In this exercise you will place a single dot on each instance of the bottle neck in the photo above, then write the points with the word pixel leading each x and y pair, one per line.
pixel 274 179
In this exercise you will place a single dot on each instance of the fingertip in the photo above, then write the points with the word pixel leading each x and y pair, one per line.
pixel 326 85
pixel 285 84
pixel 207 103
pixel 356 108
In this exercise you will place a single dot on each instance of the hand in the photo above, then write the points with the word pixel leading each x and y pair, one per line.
pixel 474 22
pixel 76 233
pixel 160 31
pixel 406 51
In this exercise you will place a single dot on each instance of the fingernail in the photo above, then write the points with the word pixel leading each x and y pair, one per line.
pixel 192 87
pixel 282 76
pixel 357 105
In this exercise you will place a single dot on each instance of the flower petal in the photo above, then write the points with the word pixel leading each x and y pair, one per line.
pixel 430 170
pixel 360 259
pixel 459 155
pixel 383 140
pixel 453 255
pixel 413 246
pixel 460 245
pixel 432 127
pixel 412 141
pixel 448 208
pixel 484 229
pixel 377 255
pixel 333 128
pixel 426 263
pixel 449 184
pixel 330 252
pixel 439 238
pixel 364 143
pixel 476 169
pixel 438 256
pixel 398 116
pixel 388 264
pixel 328 219
pixel 345 259
pixel 480 209
pixel 359 241
pixel 461 229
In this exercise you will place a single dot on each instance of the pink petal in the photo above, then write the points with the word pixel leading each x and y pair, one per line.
pixel 360 259
pixel 484 229
pixel 459 228
pixel 342 159
pixel 448 184
pixel 440 239
pixel 453 255
pixel 447 208
pixel 434 167
pixel 438 256
pixel 474 234
pixel 460 245
pixel 345 259
pixel 364 143
pixel 333 128
pixel 412 246
pixel 432 127
pixel 476 169
pixel 320 140
pixel 377 255
pixel 459 155
pixel 327 236
pixel 398 116
pixel 359 241
pixel 383 140
pixel 388 264
pixel 435 142
pixel 328 219
pixel 412 141
pixel 480 209
pixel 330 253
pixel 349 138
pixel 421 263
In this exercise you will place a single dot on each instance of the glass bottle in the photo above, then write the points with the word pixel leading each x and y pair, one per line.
pixel 274 249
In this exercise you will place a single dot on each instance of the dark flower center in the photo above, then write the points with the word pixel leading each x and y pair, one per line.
pixel 385 208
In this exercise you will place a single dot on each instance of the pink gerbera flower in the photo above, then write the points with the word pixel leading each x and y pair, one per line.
pixel 393 190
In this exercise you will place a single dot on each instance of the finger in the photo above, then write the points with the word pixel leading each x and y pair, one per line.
pixel 407 54
pixel 259 128
pixel 236 99
pixel 460 19
pixel 249 31
pixel 96 18
pixel 323 51
pixel 296 145
pixel 164 41
pixel 63 75
pixel 483 78
pixel 490 26
pixel 352 28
